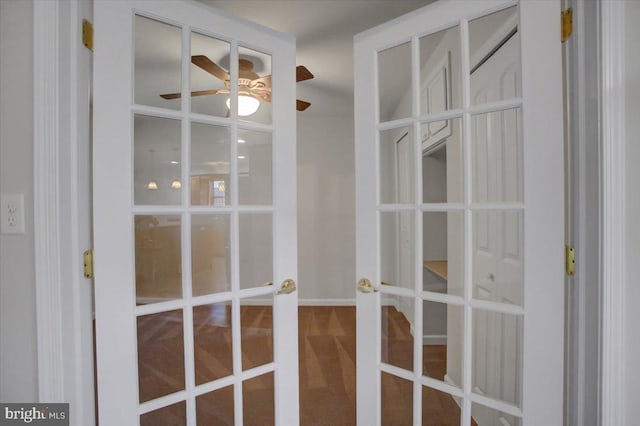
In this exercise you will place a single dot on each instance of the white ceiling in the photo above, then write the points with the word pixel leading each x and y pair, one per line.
pixel 324 30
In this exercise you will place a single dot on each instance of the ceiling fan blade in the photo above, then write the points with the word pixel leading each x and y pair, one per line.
pixel 196 93
pixel 302 105
pixel 302 73
pixel 266 82
pixel 211 67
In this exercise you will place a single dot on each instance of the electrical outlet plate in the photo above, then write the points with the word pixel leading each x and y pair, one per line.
pixel 12 212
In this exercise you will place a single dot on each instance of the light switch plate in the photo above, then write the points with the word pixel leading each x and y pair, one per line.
pixel 12 213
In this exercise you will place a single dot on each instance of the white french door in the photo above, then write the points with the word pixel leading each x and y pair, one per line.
pixel 194 215
pixel 459 171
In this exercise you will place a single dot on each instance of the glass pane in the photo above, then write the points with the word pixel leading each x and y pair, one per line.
pixel 212 341
pixel 210 154
pixel 209 75
pixel 394 82
pixel 496 156
pixel 494 48
pixel 396 318
pixel 174 415
pixel 160 354
pixel 397 166
pixel 498 256
pixel 156 153
pixel 256 330
pixel 210 254
pixel 158 258
pixel 258 401
pixel 256 249
pixel 497 355
pixel 442 342
pixel 397 248
pixel 158 68
pixel 397 400
pixel 442 409
pixel 254 86
pixel 254 167
pixel 443 252
pixel 442 161
pixel 215 408
pixel 440 71
pixel 482 415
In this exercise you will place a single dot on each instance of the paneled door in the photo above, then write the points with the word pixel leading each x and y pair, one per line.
pixel 195 217
pixel 459 171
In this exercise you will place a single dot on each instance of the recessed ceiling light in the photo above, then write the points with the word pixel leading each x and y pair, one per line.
pixel 241 141
pixel 241 157
pixel 174 162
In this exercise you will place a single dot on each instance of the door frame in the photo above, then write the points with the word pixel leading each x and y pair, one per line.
pixel 51 228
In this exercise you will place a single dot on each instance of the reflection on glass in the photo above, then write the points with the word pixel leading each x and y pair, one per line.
pixel 254 86
pixel 497 355
pixel 210 154
pixel 158 258
pixel 496 156
pixel 212 341
pixel 396 318
pixel 440 71
pixel 256 249
pixel 258 400
pixel 210 77
pixel 156 155
pixel 394 82
pixel 210 254
pixel 160 354
pixel 256 330
pixel 443 252
pixel 442 161
pixel 254 167
pixel 397 400
pixel 157 64
pixel 397 261
pixel 439 408
pixel 397 166
pixel 498 256
pixel 443 338
pixel 482 415
pixel 494 48
pixel 175 415
pixel 215 408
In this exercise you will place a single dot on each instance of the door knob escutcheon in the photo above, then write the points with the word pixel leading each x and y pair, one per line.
pixel 365 286
pixel 287 286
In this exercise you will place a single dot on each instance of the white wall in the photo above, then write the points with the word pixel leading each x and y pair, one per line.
pixel 326 208
pixel 632 76
pixel 18 364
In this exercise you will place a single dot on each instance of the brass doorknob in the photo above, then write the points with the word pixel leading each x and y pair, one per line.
pixel 287 286
pixel 364 286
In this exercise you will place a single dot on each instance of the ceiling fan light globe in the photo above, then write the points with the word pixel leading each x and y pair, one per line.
pixel 247 105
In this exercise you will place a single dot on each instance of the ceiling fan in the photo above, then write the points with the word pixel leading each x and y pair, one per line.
pixel 251 87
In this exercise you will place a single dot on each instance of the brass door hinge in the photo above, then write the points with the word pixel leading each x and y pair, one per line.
pixel 87 34
pixel 567 24
pixel 570 260
pixel 87 258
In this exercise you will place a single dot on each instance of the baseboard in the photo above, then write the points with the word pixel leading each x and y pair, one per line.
pixel 434 339
pixel 326 302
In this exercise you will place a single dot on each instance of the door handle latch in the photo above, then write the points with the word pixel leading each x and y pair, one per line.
pixel 365 286
pixel 287 286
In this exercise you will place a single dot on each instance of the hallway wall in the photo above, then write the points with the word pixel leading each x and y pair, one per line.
pixel 18 362
pixel 326 209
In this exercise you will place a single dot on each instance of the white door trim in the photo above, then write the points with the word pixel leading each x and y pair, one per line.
pixel 612 62
pixel 60 122
pixel 46 220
